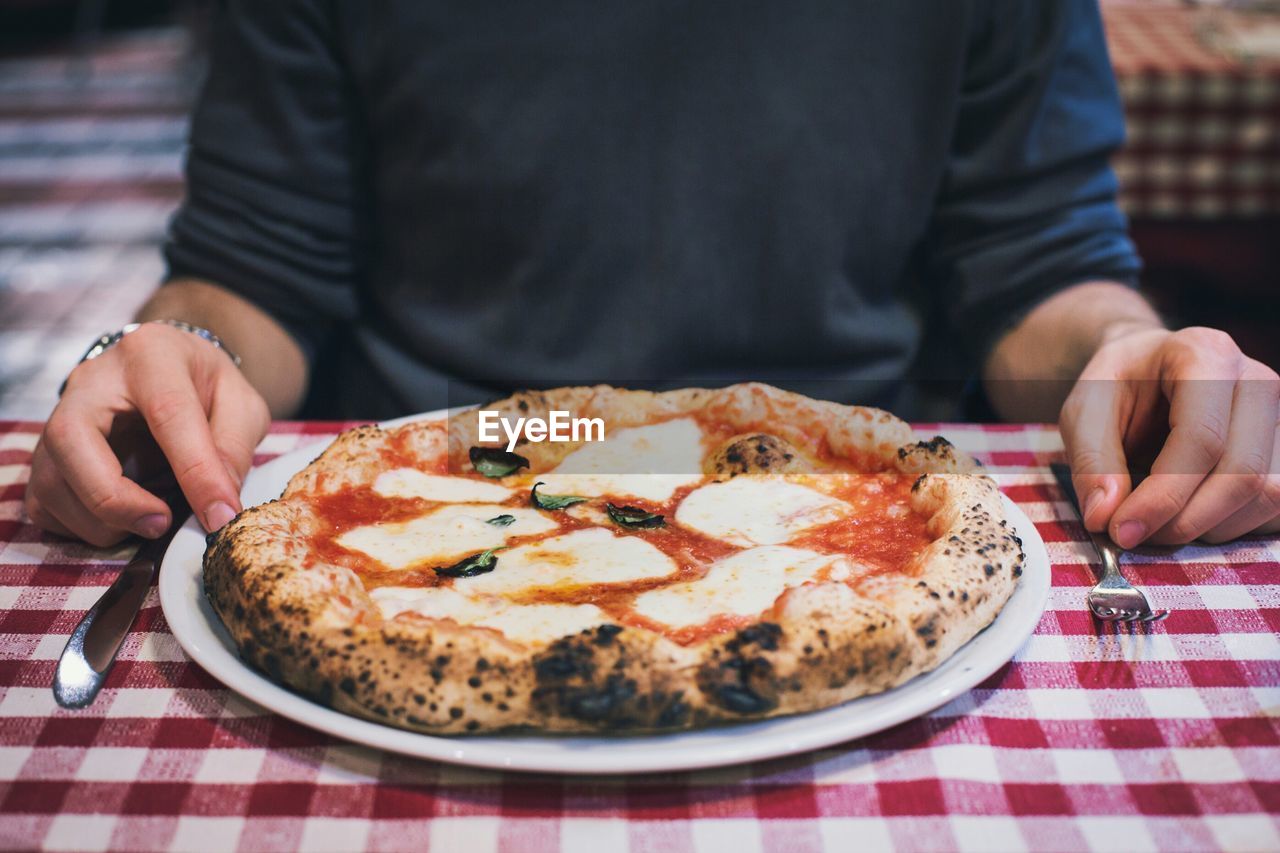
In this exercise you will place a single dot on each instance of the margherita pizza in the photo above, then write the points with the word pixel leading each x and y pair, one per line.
pixel 721 555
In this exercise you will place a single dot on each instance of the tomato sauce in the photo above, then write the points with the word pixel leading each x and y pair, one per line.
pixel 884 534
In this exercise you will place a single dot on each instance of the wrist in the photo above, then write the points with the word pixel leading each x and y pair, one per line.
pixel 1122 327
pixel 109 340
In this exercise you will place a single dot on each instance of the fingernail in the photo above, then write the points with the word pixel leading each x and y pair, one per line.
pixel 1093 501
pixel 1130 533
pixel 217 516
pixel 152 526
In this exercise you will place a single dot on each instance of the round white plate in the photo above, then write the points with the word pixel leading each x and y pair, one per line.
pixel 201 634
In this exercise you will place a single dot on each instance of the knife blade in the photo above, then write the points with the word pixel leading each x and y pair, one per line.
pixel 92 648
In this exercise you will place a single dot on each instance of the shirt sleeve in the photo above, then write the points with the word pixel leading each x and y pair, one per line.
pixel 1028 202
pixel 272 200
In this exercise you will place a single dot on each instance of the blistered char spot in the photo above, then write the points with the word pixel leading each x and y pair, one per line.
pixel 764 634
pixel 743 685
pixel 561 666
pixel 675 714
pixel 602 703
pixel 606 633
pixel 741 700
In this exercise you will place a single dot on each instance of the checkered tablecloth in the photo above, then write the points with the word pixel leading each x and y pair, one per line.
pixel 1168 740
pixel 1203 124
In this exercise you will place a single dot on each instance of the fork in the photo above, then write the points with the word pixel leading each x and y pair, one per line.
pixel 1113 599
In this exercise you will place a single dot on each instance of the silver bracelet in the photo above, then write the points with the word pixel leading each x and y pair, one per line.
pixel 110 339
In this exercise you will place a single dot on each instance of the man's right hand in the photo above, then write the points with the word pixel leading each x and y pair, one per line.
pixel 205 419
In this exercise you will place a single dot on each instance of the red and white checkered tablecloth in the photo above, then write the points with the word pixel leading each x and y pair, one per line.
pixel 1203 125
pixel 1168 740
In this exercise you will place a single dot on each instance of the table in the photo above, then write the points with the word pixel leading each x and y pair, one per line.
pixel 1164 740
pixel 1203 126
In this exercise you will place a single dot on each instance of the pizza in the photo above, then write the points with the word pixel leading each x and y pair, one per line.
pixel 721 555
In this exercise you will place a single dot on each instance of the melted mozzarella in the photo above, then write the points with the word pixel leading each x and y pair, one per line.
pixel 437 602
pixel 448 533
pixel 531 623
pixel 648 462
pixel 744 584
pixel 412 483
pixel 525 623
pixel 757 510
pixel 579 558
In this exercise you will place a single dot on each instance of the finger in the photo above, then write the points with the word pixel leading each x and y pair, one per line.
pixel 1261 515
pixel 32 499
pixel 1091 423
pixel 67 516
pixel 45 520
pixel 167 398
pixel 238 419
pixel 1200 398
pixel 1239 476
pixel 75 439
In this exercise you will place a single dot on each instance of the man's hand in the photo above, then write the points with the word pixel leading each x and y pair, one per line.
pixel 203 417
pixel 1208 414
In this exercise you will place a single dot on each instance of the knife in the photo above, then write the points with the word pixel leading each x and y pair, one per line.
pixel 91 651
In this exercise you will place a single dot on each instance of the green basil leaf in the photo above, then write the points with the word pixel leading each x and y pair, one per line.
pixel 476 564
pixel 504 520
pixel 552 501
pixel 630 516
pixel 495 462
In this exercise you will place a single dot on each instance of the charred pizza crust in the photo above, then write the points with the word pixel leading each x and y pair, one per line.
pixel 316 629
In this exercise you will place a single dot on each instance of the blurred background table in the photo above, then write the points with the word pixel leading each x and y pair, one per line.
pixel 1200 172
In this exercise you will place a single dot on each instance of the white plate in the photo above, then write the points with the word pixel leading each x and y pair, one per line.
pixel 201 634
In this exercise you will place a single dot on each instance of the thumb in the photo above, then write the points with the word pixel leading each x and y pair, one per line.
pixel 1094 442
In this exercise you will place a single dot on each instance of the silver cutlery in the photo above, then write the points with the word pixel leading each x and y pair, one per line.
pixel 91 651
pixel 1113 599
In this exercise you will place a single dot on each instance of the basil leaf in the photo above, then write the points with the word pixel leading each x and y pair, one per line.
pixel 502 520
pixel 552 501
pixel 476 564
pixel 495 462
pixel 630 516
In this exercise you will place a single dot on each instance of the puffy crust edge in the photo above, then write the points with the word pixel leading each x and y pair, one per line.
pixel 318 631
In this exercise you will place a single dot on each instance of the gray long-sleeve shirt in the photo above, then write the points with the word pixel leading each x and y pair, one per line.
pixel 512 193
